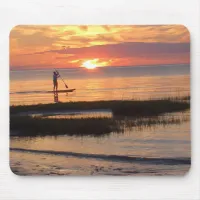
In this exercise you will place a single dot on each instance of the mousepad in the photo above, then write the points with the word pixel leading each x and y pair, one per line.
pixel 100 100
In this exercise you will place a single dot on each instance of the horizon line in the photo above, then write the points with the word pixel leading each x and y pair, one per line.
pixel 45 68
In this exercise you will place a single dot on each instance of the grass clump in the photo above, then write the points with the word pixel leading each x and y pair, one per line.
pixel 118 108
pixel 33 126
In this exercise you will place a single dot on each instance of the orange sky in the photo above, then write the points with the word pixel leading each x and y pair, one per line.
pixel 71 46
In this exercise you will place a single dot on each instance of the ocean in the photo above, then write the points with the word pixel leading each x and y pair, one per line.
pixel 103 83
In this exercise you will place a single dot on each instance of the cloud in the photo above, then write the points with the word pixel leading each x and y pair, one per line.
pixel 83 28
pixel 106 27
pixel 33 38
pixel 36 39
pixel 127 44
pixel 126 49
pixel 69 32
pixel 26 37
pixel 130 53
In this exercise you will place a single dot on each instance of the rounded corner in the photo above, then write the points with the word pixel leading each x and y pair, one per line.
pixel 187 173
pixel 13 28
pixel 14 172
pixel 186 29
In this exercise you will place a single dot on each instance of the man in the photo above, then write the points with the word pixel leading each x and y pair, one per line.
pixel 55 80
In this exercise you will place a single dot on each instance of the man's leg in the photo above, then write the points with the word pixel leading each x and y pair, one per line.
pixel 56 86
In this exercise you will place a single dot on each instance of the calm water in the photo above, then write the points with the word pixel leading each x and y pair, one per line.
pixel 159 150
pixel 28 87
pixel 116 154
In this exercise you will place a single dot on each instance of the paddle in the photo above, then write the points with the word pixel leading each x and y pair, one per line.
pixel 57 70
pixel 61 78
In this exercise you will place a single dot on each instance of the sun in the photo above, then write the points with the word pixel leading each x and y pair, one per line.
pixel 89 64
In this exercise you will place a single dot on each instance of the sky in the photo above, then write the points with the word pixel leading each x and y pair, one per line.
pixel 39 47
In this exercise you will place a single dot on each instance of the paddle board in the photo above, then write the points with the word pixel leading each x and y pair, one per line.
pixel 62 91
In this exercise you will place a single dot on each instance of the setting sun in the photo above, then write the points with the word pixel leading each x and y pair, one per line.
pixel 89 64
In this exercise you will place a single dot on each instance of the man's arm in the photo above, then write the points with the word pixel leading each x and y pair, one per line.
pixel 57 74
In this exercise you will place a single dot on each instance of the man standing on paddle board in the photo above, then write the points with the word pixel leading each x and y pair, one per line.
pixel 55 80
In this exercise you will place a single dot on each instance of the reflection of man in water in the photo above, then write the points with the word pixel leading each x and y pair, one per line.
pixel 56 97
pixel 55 80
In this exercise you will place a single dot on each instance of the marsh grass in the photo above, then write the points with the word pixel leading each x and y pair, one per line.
pixel 127 114
pixel 119 108
pixel 28 125
pixel 32 126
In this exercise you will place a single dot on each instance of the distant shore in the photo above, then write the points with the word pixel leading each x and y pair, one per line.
pixel 126 113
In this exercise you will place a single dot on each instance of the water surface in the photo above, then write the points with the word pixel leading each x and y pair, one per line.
pixel 108 155
pixel 116 83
